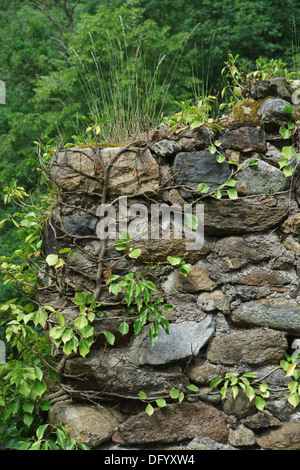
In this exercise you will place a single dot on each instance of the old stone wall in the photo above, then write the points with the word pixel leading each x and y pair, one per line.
pixel 236 311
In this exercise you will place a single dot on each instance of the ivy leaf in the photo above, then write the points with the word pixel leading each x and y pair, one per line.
pixel 260 403
pixel 51 260
pixel 191 221
pixel 149 409
pixel 80 298
pixel 142 395
pixel 174 260
pixel 290 369
pixel 232 193
pixel 293 399
pixel 192 388
pixel 161 402
pixel 135 253
pixel 174 393
pixel 123 328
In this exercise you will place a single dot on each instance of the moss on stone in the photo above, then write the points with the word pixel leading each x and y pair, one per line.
pixel 245 111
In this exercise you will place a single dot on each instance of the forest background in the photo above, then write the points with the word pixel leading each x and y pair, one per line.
pixel 120 65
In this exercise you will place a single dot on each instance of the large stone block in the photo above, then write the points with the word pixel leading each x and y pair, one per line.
pixel 185 339
pixel 133 170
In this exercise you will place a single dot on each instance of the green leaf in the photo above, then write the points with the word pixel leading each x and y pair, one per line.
pixel 149 409
pixel 28 407
pixel 41 430
pixel 51 260
pixel 232 193
pixel 250 392
pixel 28 418
pixel 80 298
pixel 285 133
pixel 235 391
pixel 203 188
pixel 230 182
pixel 191 221
pixel 259 403
pixel 84 348
pixel 174 260
pixel 283 161
pixel 174 393
pixel 290 369
pixel 289 109
pixel 218 194
pixel 60 319
pixel 80 322
pixel 39 387
pixel 288 152
pixel 293 399
pixel 45 405
pixel 123 328
pixel 220 158
pixel 142 395
pixel 135 253
pixel 161 402
pixel 288 171
pixel 192 388
pixel 110 337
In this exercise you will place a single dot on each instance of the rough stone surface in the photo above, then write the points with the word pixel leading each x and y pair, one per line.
pixel 281 314
pixel 276 87
pixel 165 147
pixel 242 437
pixel 179 423
pixel 205 443
pixel 76 169
pixel 89 425
pixel 261 419
pixel 203 373
pixel 245 139
pixel 240 217
pixel 237 252
pixel 259 178
pixel 215 300
pixel 272 113
pixel 286 437
pixel 185 339
pixel 192 168
pixel 239 406
pixel 292 224
pixel 197 280
pixel 250 347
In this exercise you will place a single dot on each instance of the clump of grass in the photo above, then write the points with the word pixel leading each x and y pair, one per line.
pixel 123 91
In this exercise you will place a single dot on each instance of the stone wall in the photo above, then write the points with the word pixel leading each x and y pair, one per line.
pixel 236 311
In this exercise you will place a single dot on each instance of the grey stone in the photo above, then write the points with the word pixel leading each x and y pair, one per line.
pixel 193 168
pixel 273 115
pixel 79 223
pixel 282 314
pixel 277 87
pixel 80 170
pixel 287 437
pixel 185 339
pixel 259 178
pixel 227 217
pixel 216 300
pixel 205 443
pixel 178 423
pixel 240 406
pixel 245 139
pixel 242 437
pixel 247 346
pixel 89 425
pixel 165 147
